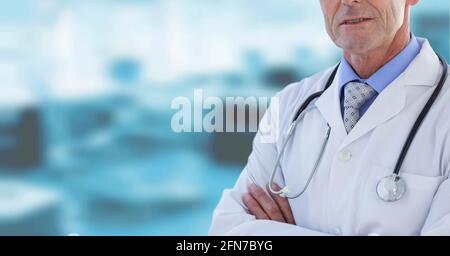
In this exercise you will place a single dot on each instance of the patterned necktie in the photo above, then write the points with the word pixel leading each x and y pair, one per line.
pixel 356 94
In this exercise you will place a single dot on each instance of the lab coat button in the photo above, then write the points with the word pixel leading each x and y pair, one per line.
pixel 337 231
pixel 345 155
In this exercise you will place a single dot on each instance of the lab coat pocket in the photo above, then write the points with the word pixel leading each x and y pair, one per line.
pixel 403 217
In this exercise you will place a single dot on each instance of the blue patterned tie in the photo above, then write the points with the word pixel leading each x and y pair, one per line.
pixel 355 95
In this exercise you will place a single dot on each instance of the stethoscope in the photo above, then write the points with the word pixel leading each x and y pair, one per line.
pixel 390 188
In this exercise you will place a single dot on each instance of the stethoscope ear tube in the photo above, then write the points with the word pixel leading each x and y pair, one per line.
pixel 422 116
pixel 284 192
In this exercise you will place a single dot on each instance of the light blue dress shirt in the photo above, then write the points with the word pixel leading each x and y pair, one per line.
pixel 383 77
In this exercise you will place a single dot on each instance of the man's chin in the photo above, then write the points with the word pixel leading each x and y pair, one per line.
pixel 356 45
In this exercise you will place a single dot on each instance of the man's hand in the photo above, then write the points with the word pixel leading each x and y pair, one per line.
pixel 265 207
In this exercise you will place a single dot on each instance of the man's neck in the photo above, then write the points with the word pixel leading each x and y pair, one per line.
pixel 368 63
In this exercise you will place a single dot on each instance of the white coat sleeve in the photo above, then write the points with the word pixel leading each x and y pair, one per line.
pixel 438 220
pixel 230 216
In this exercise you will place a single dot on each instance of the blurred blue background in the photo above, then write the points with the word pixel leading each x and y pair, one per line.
pixel 86 145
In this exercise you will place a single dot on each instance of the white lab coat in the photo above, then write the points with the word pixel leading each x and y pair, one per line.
pixel 342 198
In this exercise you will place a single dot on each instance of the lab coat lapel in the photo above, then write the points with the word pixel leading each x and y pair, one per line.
pixel 330 107
pixel 422 74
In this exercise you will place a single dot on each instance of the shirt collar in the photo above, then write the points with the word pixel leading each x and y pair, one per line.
pixel 386 74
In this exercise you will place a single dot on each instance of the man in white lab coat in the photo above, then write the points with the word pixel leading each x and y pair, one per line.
pixel 390 74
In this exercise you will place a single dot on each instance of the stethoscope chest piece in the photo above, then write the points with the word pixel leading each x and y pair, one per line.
pixel 391 188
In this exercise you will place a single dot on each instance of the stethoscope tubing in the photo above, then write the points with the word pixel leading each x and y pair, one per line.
pixel 302 110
